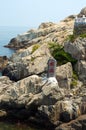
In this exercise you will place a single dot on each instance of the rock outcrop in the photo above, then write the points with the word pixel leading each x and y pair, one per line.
pixel 82 12
pixel 64 75
pixel 78 124
pixel 39 101
pixel 49 102
pixel 78 50
pixel 24 63
pixel 46 32
pixel 35 63
pixel 3 62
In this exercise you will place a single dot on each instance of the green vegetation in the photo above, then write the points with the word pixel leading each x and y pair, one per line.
pixel 60 55
pixel 73 37
pixel 73 84
pixel 35 47
pixel 83 35
pixel 74 80
pixel 32 59
pixel 75 75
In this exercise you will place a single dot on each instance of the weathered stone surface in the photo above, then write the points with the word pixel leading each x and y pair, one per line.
pixel 77 49
pixel 16 44
pixel 82 12
pixel 19 54
pixel 41 99
pixel 81 69
pixel 78 124
pixel 3 62
pixel 45 25
pixel 16 71
pixel 13 91
pixel 22 67
pixel 46 32
pixel 64 75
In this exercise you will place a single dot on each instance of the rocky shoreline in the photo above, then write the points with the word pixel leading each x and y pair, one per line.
pixel 28 95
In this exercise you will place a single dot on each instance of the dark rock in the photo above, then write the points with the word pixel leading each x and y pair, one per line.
pixel 3 62
pixel 14 74
pixel 77 126
pixel 65 116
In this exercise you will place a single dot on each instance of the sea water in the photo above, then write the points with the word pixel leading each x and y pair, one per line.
pixel 6 34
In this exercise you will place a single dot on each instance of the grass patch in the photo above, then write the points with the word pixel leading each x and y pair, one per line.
pixel 35 47
pixel 73 37
pixel 32 59
pixel 74 81
pixel 75 75
pixel 83 35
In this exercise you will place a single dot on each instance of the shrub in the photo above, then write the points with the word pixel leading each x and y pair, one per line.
pixel 74 80
pixel 32 59
pixel 75 75
pixel 35 47
pixel 83 35
pixel 73 83
pixel 60 55
pixel 71 38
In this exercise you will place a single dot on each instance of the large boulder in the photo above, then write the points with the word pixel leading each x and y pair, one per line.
pixel 77 49
pixel 81 70
pixel 15 71
pixel 26 64
pixel 64 75
pixel 19 54
pixel 11 92
pixel 78 124
pixel 63 110
pixel 39 60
